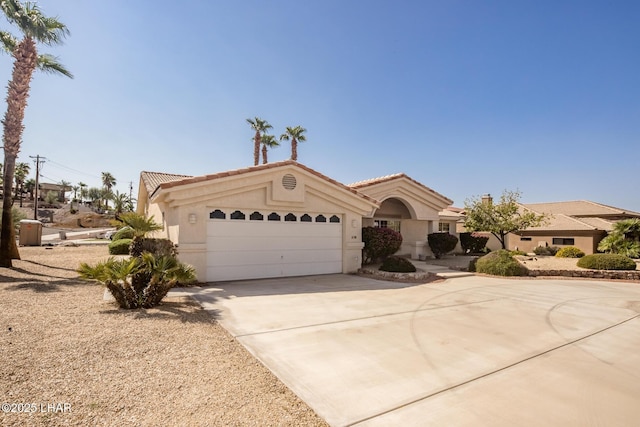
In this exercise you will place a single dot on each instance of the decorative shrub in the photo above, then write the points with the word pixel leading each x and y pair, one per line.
pixel 159 247
pixel 517 252
pixel 545 250
pixel 441 243
pixel 500 263
pixel 119 247
pixel 473 242
pixel 607 262
pixel 379 243
pixel 570 252
pixel 139 282
pixel 123 233
pixel 397 264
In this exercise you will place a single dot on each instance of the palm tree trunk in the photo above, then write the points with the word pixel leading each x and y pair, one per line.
pixel 264 154
pixel 25 61
pixel 294 149
pixel 256 149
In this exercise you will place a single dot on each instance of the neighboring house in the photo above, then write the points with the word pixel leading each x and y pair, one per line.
pixel 579 223
pixel 283 219
pixel 45 188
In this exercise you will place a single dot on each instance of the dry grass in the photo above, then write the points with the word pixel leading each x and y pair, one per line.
pixel 61 343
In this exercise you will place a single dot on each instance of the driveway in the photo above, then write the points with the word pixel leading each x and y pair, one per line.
pixel 469 351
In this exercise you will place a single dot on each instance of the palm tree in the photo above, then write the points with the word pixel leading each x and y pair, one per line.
pixel 21 172
pixel 30 186
pixel 83 190
pixel 121 203
pixel 261 127
pixel 295 134
pixel 75 189
pixel 35 27
pixel 64 187
pixel 268 141
pixel 108 181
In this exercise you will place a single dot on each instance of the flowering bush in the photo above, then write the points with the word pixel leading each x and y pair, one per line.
pixel 379 243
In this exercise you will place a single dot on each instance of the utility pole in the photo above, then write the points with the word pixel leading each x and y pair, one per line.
pixel 38 160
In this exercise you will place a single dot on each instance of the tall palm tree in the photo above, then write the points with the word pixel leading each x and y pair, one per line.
pixel 261 127
pixel 83 190
pixel 64 187
pixel 108 181
pixel 30 186
pixel 35 27
pixel 268 141
pixel 295 134
pixel 21 172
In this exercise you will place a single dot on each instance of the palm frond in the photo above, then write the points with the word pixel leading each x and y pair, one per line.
pixel 8 43
pixel 49 64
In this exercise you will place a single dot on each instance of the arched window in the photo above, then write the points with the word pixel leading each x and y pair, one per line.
pixel 273 217
pixel 321 218
pixel 237 215
pixel 334 218
pixel 256 216
pixel 306 218
pixel 290 217
pixel 217 214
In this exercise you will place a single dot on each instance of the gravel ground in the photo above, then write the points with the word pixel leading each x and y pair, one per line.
pixel 71 358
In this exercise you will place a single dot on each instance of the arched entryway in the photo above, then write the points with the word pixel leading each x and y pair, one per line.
pixel 399 215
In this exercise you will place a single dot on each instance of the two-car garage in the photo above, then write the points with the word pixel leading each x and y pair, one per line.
pixel 260 244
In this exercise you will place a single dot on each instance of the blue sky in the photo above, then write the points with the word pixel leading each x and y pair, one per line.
pixel 467 97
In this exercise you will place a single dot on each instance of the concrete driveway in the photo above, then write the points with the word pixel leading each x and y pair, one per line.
pixel 470 351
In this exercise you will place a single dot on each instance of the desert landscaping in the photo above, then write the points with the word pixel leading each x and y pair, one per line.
pixel 63 344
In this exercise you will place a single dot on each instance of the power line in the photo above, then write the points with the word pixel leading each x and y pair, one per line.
pixel 72 169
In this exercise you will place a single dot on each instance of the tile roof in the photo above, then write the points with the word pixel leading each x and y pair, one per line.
pixel 152 180
pixel 578 208
pixel 387 178
pixel 165 181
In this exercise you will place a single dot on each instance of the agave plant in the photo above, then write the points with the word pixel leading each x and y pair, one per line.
pixel 139 282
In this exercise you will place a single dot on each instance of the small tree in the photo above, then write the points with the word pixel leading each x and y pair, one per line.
pixel 500 219
pixel 473 242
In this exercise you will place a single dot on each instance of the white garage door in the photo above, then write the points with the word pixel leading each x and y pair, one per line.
pixel 274 244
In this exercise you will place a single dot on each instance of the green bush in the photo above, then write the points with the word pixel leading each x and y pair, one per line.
pixel 607 262
pixel 139 282
pixel 570 252
pixel 545 250
pixel 517 252
pixel 123 233
pixel 397 264
pixel 379 243
pixel 473 242
pixel 119 247
pixel 441 243
pixel 500 263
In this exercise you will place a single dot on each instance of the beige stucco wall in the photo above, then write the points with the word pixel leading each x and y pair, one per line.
pixel 585 241
pixel 261 192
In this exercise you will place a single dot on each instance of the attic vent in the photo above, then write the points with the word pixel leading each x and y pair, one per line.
pixel 289 181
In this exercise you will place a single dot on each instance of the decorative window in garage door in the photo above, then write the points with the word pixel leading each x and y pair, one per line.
pixel 238 215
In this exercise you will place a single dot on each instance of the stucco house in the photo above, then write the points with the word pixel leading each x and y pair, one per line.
pixel 283 219
pixel 580 223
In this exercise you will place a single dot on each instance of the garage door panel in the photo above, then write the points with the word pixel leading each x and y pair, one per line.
pixel 254 249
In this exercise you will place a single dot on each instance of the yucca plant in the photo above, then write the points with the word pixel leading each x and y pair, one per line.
pixel 139 282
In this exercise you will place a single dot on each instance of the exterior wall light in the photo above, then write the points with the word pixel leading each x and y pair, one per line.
pixel 192 218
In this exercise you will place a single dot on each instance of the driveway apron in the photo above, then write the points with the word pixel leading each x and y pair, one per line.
pixel 468 351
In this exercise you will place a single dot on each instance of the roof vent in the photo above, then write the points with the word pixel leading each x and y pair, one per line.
pixel 289 181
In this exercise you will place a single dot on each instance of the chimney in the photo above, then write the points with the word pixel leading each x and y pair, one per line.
pixel 487 199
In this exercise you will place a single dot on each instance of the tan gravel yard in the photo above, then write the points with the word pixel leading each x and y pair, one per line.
pixel 71 358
